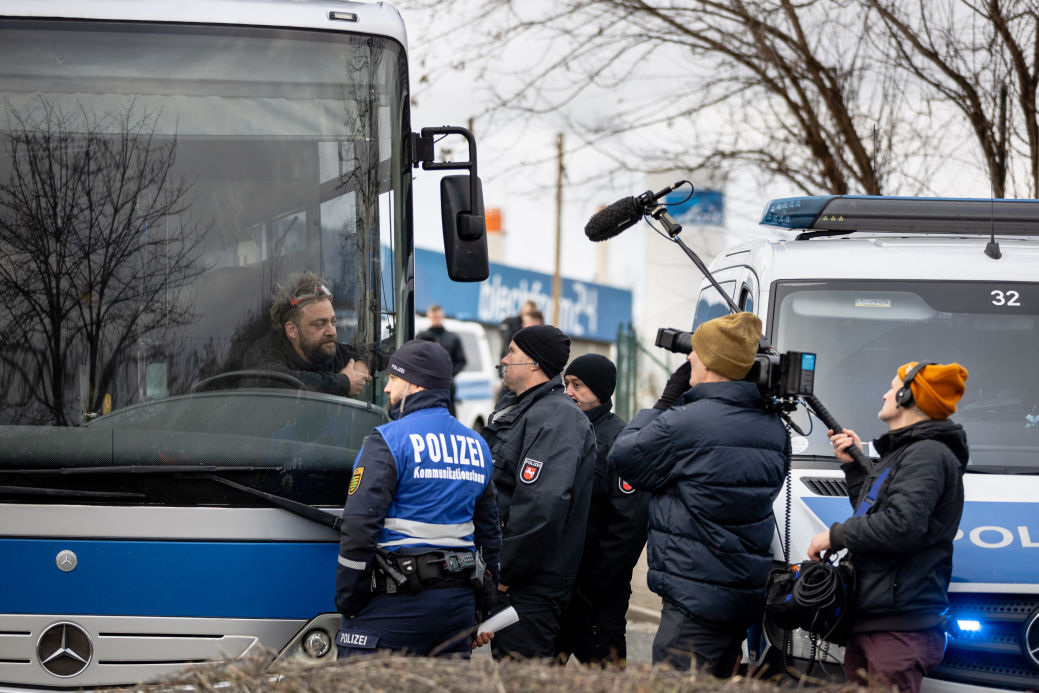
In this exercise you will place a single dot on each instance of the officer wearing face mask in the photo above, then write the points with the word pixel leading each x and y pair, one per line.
pixel 593 627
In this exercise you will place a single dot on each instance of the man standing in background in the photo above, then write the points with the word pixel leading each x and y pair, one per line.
pixel 594 625
pixel 451 342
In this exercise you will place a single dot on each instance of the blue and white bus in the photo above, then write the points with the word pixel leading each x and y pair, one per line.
pixel 162 167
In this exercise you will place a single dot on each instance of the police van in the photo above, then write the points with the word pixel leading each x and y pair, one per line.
pixel 870 283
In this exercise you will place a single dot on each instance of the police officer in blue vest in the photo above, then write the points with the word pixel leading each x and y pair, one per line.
pixel 420 525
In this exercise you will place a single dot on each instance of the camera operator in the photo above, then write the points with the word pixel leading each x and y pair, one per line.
pixel 714 461
pixel 907 513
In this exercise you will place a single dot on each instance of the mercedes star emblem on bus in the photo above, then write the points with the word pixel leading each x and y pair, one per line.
pixel 66 560
pixel 64 649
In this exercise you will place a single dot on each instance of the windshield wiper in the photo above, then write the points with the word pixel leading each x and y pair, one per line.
pixel 67 493
pixel 993 469
pixel 187 471
pixel 302 509
pixel 140 469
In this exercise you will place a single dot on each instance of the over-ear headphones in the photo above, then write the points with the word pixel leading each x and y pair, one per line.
pixel 904 396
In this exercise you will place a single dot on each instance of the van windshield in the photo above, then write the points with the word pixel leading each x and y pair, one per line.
pixel 862 331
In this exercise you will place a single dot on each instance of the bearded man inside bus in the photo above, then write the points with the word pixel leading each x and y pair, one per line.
pixel 303 339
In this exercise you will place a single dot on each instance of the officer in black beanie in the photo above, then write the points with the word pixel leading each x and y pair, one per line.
pixel 421 497
pixel 593 627
pixel 544 458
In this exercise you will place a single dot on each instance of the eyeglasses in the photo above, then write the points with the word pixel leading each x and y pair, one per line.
pixel 318 291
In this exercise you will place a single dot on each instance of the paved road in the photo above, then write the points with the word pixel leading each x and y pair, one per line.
pixel 643 617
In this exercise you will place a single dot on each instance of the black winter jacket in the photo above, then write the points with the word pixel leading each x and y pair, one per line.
pixel 320 376
pixel 544 457
pixel 452 344
pixel 902 548
pixel 618 520
pixel 715 462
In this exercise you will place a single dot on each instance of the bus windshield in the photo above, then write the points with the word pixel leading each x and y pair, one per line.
pixel 862 331
pixel 149 209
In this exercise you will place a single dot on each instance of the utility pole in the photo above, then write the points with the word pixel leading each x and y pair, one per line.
pixel 556 280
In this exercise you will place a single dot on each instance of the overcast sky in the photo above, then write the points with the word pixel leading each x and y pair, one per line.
pixel 517 163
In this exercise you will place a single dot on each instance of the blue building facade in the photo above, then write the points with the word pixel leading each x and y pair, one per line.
pixel 588 311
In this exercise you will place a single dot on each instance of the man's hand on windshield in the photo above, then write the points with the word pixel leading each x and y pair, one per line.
pixel 359 375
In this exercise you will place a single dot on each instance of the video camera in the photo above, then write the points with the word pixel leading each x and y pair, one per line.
pixel 781 378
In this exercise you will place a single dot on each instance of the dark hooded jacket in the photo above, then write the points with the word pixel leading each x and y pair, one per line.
pixel 902 548
pixel 618 520
pixel 544 458
pixel 452 344
pixel 714 462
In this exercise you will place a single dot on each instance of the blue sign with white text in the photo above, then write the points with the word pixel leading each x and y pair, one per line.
pixel 996 542
pixel 702 208
pixel 587 310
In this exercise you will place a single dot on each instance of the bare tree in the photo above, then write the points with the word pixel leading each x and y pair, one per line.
pixel 93 253
pixel 975 56
pixel 791 89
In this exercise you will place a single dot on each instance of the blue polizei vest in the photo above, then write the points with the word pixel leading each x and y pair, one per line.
pixel 442 470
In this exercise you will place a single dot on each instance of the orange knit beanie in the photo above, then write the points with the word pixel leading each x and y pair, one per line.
pixel 937 387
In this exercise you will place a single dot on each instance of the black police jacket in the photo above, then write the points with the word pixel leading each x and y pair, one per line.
pixel 544 458
pixel 902 548
pixel 452 344
pixel 618 520
pixel 714 463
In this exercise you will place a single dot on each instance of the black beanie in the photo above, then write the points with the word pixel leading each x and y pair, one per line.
pixel 426 364
pixel 545 344
pixel 597 372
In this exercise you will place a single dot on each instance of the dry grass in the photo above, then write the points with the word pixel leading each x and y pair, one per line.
pixel 398 674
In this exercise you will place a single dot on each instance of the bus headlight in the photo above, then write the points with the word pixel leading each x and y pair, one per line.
pixel 317 643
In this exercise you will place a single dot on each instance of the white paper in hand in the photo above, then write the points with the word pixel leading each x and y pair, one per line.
pixel 502 619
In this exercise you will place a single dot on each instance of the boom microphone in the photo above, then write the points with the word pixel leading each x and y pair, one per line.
pixel 625 213
pixel 610 221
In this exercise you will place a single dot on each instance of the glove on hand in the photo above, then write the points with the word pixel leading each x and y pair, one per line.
pixel 676 386
pixel 489 599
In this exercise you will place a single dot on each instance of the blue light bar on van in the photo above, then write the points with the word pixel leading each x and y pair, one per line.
pixel 839 215
pixel 794 212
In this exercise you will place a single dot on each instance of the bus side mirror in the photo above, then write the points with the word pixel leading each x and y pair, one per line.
pixel 465 233
pixel 461 205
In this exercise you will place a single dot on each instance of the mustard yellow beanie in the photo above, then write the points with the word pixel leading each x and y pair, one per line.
pixel 727 345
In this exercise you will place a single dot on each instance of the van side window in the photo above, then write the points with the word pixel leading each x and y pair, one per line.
pixel 746 301
pixel 711 304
